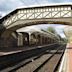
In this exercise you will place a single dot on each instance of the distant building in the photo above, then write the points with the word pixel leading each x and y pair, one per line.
pixel 68 33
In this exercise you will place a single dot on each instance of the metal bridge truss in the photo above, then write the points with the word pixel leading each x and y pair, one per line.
pixel 39 13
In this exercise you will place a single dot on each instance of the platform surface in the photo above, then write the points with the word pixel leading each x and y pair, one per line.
pixel 6 51
pixel 69 65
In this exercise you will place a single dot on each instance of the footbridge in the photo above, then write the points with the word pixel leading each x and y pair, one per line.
pixel 22 17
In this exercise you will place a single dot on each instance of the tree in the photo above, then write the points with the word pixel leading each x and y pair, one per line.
pixel 0 16
pixel 52 30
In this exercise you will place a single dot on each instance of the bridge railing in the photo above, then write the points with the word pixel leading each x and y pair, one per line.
pixel 38 13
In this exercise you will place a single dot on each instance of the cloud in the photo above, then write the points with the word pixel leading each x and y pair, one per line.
pixel 29 2
pixel 2 13
pixel 59 1
pixel 8 5
pixel 29 29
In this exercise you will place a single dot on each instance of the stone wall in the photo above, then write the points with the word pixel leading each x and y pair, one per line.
pixel 8 42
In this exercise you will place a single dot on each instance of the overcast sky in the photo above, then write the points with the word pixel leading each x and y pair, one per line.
pixel 7 6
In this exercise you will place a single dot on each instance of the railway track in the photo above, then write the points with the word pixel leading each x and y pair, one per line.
pixel 46 63
pixel 39 62
pixel 51 63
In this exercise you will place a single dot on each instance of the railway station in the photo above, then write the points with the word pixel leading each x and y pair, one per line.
pixel 35 51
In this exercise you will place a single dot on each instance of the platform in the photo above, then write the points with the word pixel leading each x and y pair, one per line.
pixel 66 63
pixel 6 51
pixel 69 47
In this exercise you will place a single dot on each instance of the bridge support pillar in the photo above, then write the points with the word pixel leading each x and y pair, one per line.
pixel 20 39
pixel 44 40
pixel 51 41
pixel 36 40
pixel 48 40
pixel 41 40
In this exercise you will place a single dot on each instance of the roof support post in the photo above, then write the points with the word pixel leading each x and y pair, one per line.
pixel 20 39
